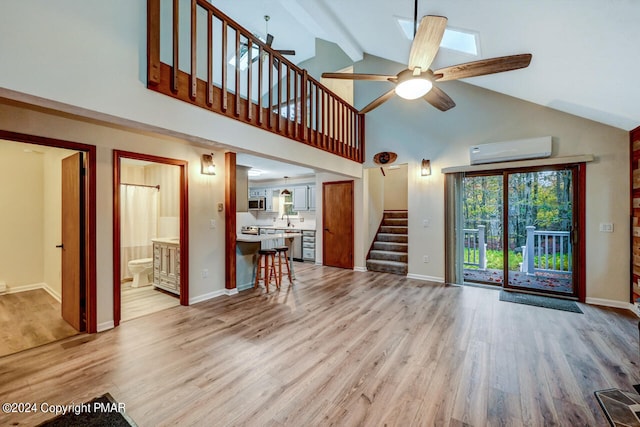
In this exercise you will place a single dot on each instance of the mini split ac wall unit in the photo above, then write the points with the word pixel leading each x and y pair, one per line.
pixel 522 149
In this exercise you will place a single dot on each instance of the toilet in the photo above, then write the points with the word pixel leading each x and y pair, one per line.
pixel 140 268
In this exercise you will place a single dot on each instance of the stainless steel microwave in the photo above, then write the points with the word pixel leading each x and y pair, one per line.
pixel 257 203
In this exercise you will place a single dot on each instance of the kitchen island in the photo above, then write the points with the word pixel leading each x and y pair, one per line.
pixel 247 247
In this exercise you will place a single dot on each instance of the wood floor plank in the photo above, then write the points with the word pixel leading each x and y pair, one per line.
pixel 341 348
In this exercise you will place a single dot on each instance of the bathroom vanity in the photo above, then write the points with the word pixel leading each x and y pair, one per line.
pixel 166 264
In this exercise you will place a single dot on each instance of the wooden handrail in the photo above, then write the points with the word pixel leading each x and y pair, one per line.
pixel 310 114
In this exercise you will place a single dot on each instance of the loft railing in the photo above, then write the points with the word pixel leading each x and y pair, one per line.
pixel 199 55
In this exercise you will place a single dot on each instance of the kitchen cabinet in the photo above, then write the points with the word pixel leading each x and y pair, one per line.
pixel 309 245
pixel 273 198
pixel 300 201
pixel 311 196
pixel 166 265
pixel 257 192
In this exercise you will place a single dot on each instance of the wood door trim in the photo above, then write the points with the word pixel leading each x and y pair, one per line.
pixel 184 224
pixel 90 276
pixel 230 220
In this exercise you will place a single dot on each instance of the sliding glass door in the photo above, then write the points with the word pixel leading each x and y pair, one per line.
pixel 516 229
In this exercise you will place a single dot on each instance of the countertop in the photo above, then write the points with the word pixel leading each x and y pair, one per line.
pixel 272 227
pixel 252 238
pixel 170 240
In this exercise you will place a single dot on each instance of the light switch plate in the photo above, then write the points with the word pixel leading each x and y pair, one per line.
pixel 606 227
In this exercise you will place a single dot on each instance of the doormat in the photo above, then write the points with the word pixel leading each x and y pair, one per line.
pixel 101 411
pixel 540 301
pixel 620 407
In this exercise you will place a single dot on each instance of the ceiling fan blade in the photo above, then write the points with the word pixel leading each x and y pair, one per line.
pixel 427 41
pixel 352 76
pixel 484 67
pixel 269 40
pixel 286 51
pixel 439 99
pixel 378 101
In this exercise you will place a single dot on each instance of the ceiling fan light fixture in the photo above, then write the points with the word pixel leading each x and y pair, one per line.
pixel 413 88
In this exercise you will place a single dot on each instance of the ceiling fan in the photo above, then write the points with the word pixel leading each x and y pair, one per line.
pixel 417 80
pixel 269 41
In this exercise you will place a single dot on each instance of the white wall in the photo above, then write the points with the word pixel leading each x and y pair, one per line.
pixel 21 215
pixel 415 130
pixel 93 54
pixel 206 245
pixel 395 188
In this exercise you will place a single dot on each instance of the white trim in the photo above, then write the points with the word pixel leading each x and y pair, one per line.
pixel 425 278
pixel 360 269
pixel 229 292
pixel 24 288
pixel 239 288
pixel 207 297
pixel 521 164
pixel 53 293
pixel 105 326
pixel 610 303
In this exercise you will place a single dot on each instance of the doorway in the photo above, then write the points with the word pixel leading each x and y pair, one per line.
pixel 48 264
pixel 337 224
pixel 150 234
pixel 520 229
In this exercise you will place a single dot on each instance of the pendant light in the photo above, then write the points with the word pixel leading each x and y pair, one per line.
pixel 285 192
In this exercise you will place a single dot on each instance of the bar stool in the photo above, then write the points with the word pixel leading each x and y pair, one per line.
pixel 281 257
pixel 268 255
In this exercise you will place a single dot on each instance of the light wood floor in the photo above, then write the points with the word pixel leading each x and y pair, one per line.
pixel 29 319
pixel 342 348
pixel 138 302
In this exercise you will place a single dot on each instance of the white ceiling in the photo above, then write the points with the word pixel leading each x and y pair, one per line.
pixel 586 57
pixel 271 169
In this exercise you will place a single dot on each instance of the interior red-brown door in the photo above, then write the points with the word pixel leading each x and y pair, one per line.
pixel 337 224
pixel 73 297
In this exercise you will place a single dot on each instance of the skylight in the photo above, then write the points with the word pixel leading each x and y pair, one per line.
pixel 244 54
pixel 453 39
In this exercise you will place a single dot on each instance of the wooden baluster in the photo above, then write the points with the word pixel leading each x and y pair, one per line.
pixel 237 82
pixel 153 42
pixel 296 106
pixel 176 43
pixel 288 121
pixel 249 82
pixel 193 83
pixel 279 94
pixel 343 128
pixel 260 53
pixel 270 106
pixel 223 64
pixel 334 119
pixel 317 128
pixel 209 58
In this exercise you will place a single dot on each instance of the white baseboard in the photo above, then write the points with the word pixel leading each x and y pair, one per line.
pixel 230 292
pixel 425 278
pixel 208 296
pixel 101 327
pixel 360 269
pixel 241 287
pixel 32 287
pixel 610 303
pixel 53 293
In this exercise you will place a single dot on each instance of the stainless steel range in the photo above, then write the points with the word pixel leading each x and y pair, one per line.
pixel 250 229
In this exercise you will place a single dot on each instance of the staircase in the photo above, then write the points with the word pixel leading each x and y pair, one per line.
pixel 388 252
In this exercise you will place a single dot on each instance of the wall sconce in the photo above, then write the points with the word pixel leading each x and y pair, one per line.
pixel 425 169
pixel 208 168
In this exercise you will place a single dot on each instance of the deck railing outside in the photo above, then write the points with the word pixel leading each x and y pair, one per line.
pixel 199 55
pixel 475 248
pixel 547 251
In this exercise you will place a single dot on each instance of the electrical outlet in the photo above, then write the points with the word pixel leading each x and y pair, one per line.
pixel 426 223
pixel 212 224
pixel 426 259
pixel 205 273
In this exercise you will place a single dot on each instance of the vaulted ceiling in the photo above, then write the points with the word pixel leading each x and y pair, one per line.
pixel 586 54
